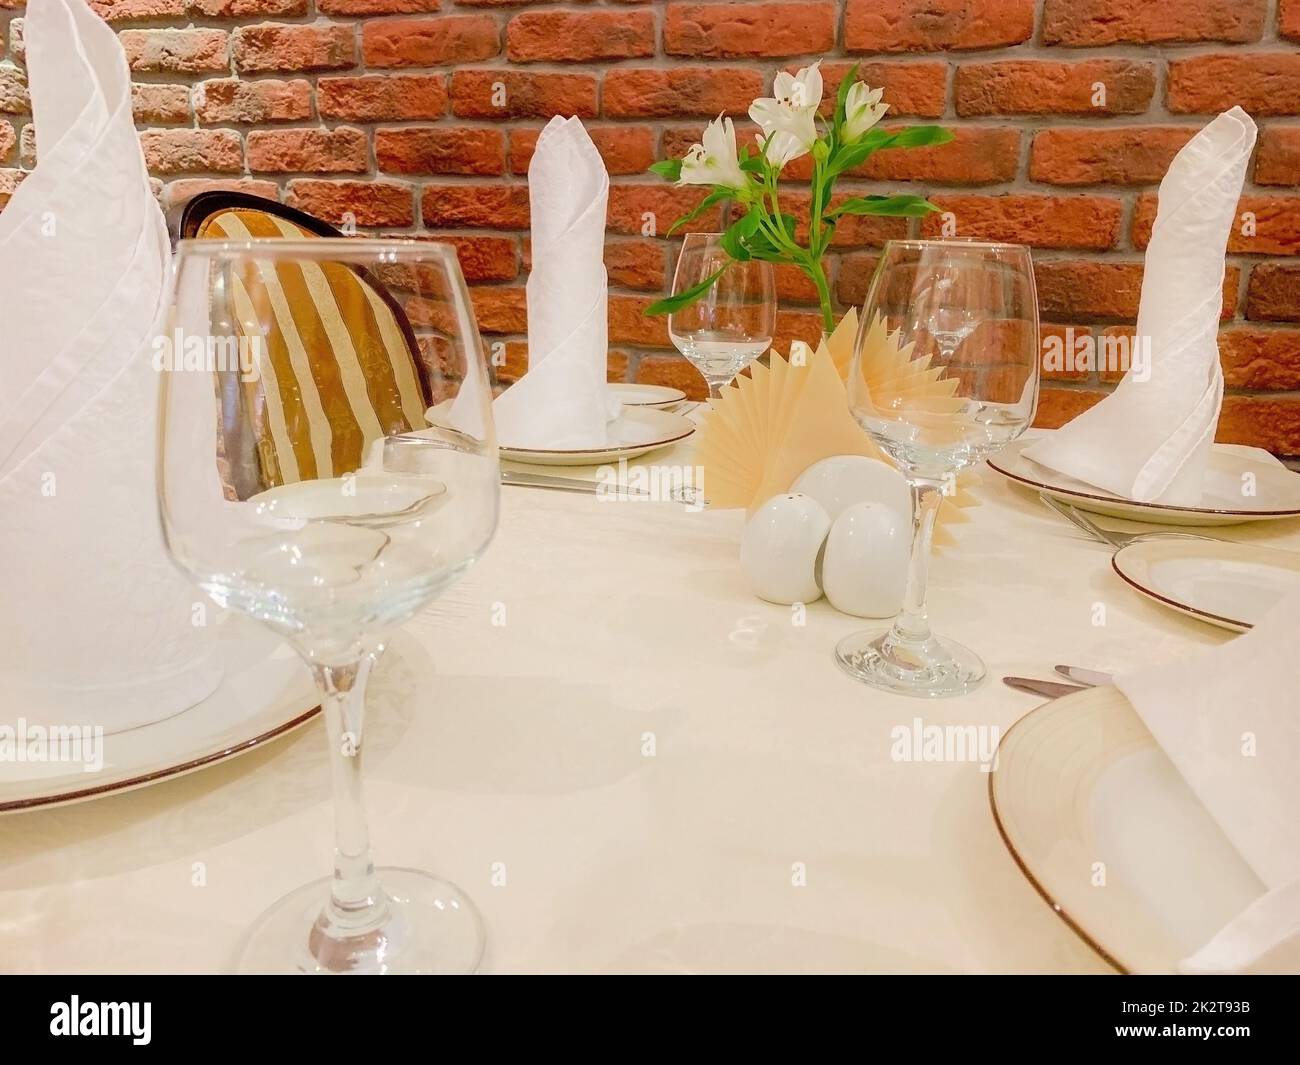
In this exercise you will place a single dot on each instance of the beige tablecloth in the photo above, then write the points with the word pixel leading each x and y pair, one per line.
pixel 641 768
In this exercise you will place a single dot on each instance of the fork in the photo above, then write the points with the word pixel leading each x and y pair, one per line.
pixel 1115 539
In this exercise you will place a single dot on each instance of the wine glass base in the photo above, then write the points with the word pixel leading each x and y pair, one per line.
pixel 431 927
pixel 947 669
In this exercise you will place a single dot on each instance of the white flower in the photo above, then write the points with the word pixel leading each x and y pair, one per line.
pixel 862 110
pixel 788 119
pixel 714 162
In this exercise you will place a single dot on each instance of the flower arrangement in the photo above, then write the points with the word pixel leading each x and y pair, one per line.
pixel 749 179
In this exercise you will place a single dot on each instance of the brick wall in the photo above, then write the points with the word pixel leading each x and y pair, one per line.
pixel 393 110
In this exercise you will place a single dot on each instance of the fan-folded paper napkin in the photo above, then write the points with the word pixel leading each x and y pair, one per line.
pixel 1198 711
pixel 1150 440
pixel 563 401
pixel 96 625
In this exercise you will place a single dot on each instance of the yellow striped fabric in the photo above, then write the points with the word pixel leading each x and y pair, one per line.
pixel 314 417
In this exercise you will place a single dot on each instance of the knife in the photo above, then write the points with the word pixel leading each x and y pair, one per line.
pixel 567 484
pixel 1050 689
pixel 1089 678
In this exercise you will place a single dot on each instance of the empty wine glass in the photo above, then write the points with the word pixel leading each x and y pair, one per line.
pixel 970 310
pixel 732 323
pixel 328 466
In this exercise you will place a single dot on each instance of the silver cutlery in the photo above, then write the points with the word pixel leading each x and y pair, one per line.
pixel 1049 689
pixel 1089 678
pixel 1115 539
pixel 567 484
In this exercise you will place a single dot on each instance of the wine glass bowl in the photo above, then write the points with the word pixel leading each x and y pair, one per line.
pixel 328 466
pixel 965 313
pixel 733 322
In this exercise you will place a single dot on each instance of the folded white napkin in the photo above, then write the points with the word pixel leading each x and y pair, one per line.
pixel 1150 440
pixel 97 627
pixel 562 401
pixel 1229 720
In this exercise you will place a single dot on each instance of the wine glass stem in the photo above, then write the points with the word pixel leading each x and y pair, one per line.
pixel 356 902
pixel 716 385
pixel 912 626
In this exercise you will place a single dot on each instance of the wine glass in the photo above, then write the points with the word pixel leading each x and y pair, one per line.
pixel 732 324
pixel 328 466
pixel 971 311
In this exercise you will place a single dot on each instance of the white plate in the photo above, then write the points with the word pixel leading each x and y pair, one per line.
pixel 646 395
pixel 1229 585
pixel 265 692
pixel 637 431
pixel 1082 791
pixel 1277 490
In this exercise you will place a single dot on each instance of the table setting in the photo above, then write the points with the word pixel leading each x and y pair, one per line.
pixel 584 662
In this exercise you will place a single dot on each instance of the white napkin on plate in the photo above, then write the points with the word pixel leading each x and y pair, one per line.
pixel 562 401
pixel 1229 720
pixel 1150 440
pixel 97 627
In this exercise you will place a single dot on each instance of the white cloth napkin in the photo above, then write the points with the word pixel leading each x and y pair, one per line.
pixel 1151 439
pixel 1200 711
pixel 97 627
pixel 562 401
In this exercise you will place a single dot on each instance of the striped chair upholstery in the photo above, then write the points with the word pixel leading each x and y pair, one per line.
pixel 312 418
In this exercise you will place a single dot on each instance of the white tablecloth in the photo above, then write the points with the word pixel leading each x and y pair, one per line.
pixel 519 752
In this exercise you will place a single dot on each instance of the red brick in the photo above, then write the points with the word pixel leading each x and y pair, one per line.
pixel 935 25
pixel 526 95
pixel 253 102
pixel 636 264
pixel 176 51
pixel 625 149
pixel 271 47
pixel 1260 359
pixel 185 189
pixel 308 151
pixel 1288 19
pixel 975 156
pixel 500 309
pixel 752 29
pixel 854 277
pixel 796 325
pixel 1264 83
pixel 382 97
pixel 672 371
pixel 629 324
pixel 119 11
pixel 629 206
pixel 440 150
pixel 704 91
pixel 188 151
pixel 14 97
pixel 852 230
pixel 1081 290
pixel 1041 87
pixel 1129 155
pixel 485 258
pixel 486 206
pixel 160 105
pixel 794 286
pixel 577 36
pixel 1086 23
pixel 1277 160
pixel 423 42
pixel 1056 406
pixel 245 8
pixel 8 140
pixel 372 203
pixel 1261 421
pixel 377 7
pixel 1276 225
pixel 910 88
pixel 1091 222
pixel 1274 293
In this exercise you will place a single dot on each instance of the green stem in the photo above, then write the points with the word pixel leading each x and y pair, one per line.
pixel 813 268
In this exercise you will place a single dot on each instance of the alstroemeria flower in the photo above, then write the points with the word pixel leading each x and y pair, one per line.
pixel 714 162
pixel 862 110
pixel 788 118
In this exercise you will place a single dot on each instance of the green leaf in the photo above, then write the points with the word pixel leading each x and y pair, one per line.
pixel 919 137
pixel 733 240
pixel 895 206
pixel 716 196
pixel 855 154
pixel 671 304
pixel 668 168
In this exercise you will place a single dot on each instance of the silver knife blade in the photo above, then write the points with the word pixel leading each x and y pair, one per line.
pixel 564 484
pixel 1049 689
pixel 1091 678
